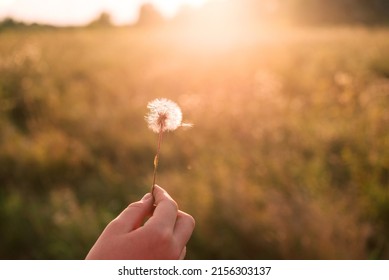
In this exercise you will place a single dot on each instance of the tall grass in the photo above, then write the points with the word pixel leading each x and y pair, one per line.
pixel 288 159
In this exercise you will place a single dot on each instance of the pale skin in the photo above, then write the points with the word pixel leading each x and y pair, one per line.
pixel 163 236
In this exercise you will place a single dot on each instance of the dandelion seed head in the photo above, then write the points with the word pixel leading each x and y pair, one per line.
pixel 164 115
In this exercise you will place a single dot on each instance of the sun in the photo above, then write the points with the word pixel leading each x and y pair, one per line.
pixel 170 7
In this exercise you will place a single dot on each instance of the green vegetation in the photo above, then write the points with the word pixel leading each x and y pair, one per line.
pixel 288 158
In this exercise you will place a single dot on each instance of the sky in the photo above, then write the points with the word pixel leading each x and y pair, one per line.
pixel 79 12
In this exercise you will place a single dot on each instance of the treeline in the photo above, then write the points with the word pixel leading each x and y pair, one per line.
pixel 317 12
pixel 368 12
pixel 103 20
pixel 10 23
pixel 312 11
pixel 339 11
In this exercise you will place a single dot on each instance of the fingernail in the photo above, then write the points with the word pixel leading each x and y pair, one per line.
pixel 146 197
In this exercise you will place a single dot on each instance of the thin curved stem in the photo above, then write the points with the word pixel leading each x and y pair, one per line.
pixel 156 159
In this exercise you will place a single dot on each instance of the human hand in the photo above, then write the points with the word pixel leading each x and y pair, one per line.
pixel 163 236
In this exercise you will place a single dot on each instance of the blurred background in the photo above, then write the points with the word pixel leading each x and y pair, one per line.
pixel 289 155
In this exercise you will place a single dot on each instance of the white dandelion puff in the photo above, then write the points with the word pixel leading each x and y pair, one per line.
pixel 164 115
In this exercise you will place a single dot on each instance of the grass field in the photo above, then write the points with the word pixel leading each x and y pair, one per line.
pixel 288 157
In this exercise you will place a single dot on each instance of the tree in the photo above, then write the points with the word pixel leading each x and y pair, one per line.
pixel 9 23
pixel 103 20
pixel 149 16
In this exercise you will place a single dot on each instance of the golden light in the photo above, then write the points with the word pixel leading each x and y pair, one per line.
pixel 221 24
pixel 170 7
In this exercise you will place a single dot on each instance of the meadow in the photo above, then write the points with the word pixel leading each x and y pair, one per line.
pixel 288 157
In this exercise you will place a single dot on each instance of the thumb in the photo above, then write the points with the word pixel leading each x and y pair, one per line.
pixel 133 216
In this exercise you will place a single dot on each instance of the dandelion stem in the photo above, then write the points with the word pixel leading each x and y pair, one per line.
pixel 156 158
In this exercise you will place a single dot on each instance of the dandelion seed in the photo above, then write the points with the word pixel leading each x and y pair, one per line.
pixel 164 115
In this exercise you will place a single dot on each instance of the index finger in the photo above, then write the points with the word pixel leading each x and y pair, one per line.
pixel 166 209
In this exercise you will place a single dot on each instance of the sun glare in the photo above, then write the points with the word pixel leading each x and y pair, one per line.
pixel 5 2
pixel 169 8
pixel 219 24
